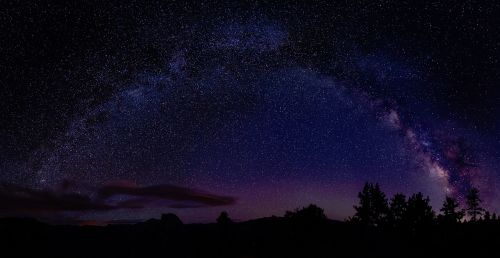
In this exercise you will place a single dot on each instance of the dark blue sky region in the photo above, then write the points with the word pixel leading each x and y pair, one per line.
pixel 247 109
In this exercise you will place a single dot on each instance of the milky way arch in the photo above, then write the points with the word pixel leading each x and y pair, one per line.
pixel 153 126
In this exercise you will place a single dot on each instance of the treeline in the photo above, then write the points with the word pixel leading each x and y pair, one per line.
pixel 415 211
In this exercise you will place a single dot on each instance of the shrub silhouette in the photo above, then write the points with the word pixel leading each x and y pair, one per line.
pixel 224 219
pixel 311 213
pixel 171 220
pixel 373 207
pixel 487 216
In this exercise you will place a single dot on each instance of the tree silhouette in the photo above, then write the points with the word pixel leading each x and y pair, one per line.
pixel 364 209
pixel 487 216
pixel 474 209
pixel 224 219
pixel 311 213
pixel 397 209
pixel 170 220
pixel 419 213
pixel 450 213
pixel 373 207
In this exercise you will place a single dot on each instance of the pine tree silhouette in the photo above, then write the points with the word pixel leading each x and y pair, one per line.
pixel 474 209
pixel 373 207
pixel 363 210
pixel 450 214
pixel 397 209
pixel 419 212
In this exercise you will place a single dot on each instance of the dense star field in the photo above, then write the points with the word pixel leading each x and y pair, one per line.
pixel 121 111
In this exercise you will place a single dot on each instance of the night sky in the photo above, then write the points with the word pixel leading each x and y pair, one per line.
pixel 122 110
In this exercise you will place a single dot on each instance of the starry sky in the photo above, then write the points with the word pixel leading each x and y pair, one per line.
pixel 121 111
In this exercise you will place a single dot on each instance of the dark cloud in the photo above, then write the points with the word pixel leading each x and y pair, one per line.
pixel 20 199
pixel 16 199
pixel 167 192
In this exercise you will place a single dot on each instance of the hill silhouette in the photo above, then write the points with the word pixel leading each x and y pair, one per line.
pixel 401 227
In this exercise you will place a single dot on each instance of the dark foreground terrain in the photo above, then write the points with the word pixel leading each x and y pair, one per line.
pixel 268 237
